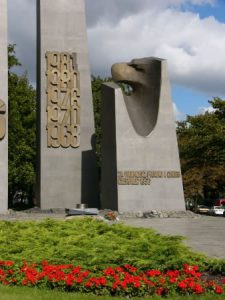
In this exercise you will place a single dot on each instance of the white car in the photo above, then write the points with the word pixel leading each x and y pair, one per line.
pixel 216 211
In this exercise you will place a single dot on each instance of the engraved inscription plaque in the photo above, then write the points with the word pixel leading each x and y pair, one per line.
pixel 63 100
pixel 143 177
pixel 2 119
pixel 133 178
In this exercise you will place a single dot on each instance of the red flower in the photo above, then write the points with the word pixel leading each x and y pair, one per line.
pixel 88 284
pixel 130 268
pixel 159 291
pixel 25 282
pixel 102 280
pixel 182 285
pixel 198 289
pixel 8 263
pixel 115 285
pixel 173 280
pixel 191 285
pixel 137 284
pixel 85 273
pixel 70 280
pixel 148 282
pixel 161 280
pixel 2 272
pixel 218 290
pixel 191 270
pixel 119 269
pixel 79 280
pixel 41 275
pixel 76 270
pixel 211 283
pixel 174 273
pixel 153 273
pixel 109 271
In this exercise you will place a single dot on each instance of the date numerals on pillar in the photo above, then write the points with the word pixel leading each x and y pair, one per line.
pixel 63 100
pixel 64 136
pixel 2 119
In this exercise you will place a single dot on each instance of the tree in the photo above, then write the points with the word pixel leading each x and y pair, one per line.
pixel 96 83
pixel 201 140
pixel 22 132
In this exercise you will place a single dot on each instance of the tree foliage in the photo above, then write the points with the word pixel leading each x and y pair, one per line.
pixel 22 131
pixel 96 83
pixel 201 141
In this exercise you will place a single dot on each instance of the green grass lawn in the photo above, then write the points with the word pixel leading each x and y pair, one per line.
pixel 7 293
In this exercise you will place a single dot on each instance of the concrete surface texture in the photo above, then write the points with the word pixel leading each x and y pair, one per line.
pixel 67 174
pixel 204 234
pixel 4 108
pixel 140 160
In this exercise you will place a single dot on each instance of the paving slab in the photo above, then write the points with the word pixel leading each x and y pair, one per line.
pixel 205 234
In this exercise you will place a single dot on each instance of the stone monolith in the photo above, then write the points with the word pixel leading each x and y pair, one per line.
pixel 140 160
pixel 3 108
pixel 67 172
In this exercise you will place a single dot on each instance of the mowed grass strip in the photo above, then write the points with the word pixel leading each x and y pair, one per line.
pixel 17 293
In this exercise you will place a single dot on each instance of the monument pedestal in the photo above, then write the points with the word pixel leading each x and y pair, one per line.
pixel 140 160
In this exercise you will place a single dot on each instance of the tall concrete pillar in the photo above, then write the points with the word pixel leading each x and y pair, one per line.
pixel 67 171
pixel 3 108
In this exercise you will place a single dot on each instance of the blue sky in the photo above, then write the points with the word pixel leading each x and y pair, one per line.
pixel 190 34
pixel 188 101
pixel 217 10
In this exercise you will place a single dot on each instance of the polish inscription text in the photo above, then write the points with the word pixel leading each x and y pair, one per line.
pixel 143 177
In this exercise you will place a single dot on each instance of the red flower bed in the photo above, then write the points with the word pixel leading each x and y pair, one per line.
pixel 124 280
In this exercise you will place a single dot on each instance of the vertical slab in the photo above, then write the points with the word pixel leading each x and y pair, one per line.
pixel 140 160
pixel 67 172
pixel 3 108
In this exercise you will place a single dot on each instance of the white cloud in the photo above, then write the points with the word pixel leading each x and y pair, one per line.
pixel 120 30
pixel 102 11
pixel 203 110
pixel 194 47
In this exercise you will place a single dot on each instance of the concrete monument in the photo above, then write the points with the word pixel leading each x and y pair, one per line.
pixel 140 160
pixel 67 173
pixel 3 108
